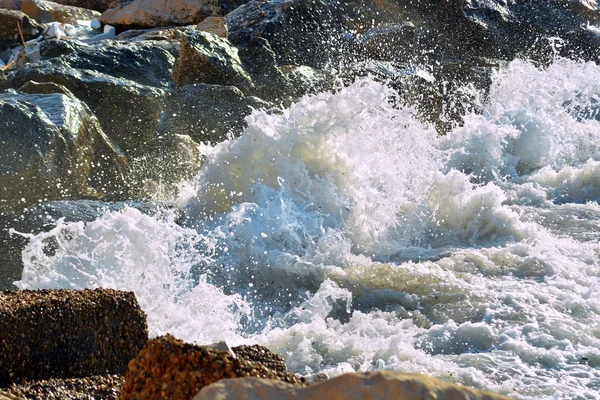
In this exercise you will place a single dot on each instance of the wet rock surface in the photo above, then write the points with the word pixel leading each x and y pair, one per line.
pixel 170 368
pixel 61 151
pixel 186 111
pixel 207 58
pixel 68 334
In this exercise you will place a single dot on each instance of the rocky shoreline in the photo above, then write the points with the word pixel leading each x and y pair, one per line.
pixel 93 344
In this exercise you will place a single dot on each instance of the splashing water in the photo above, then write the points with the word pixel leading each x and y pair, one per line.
pixel 345 235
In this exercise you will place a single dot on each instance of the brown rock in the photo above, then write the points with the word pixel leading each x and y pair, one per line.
pixel 214 24
pixel 155 13
pixel 67 333
pixel 48 11
pixel 206 58
pixel 169 368
pixel 385 385
pixel 96 5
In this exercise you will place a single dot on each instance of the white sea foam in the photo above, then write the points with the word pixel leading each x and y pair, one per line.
pixel 346 235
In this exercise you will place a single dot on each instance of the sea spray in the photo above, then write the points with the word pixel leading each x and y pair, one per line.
pixel 346 235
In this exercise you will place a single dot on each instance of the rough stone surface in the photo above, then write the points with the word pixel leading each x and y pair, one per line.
pixel 207 113
pixel 96 5
pixel 9 31
pixel 104 387
pixel 68 334
pixel 300 32
pixel 155 13
pixel 206 58
pixel 45 11
pixel 53 148
pixel 170 368
pixel 383 385
pixel 127 111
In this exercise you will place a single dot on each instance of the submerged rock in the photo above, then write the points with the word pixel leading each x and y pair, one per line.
pixel 170 368
pixel 68 334
pixel 383 385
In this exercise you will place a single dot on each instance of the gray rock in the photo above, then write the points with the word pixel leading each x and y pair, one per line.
pixel 53 148
pixel 300 32
pixel 207 58
pixel 208 113
pixel 127 110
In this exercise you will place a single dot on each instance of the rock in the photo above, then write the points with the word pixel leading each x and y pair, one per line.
pixel 105 387
pixel 306 80
pixel 206 58
pixel 300 32
pixel 393 42
pixel 385 385
pixel 9 31
pixel 216 25
pixel 11 4
pixel 170 368
pixel 261 63
pixel 53 148
pixel 96 5
pixel 208 113
pixel 133 131
pixel 126 14
pixel 48 11
pixel 95 24
pixel 68 334
pixel 158 174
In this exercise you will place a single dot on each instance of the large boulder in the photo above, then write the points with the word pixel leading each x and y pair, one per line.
pixel 9 27
pixel 66 333
pixel 54 148
pixel 154 13
pixel 45 11
pixel 300 32
pixel 170 368
pixel 207 58
pixel 383 385
pixel 96 5
pixel 207 113
pixel 127 110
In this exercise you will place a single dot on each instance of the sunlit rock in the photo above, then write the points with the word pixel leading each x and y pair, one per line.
pixel 170 368
pixel 214 25
pixel 54 148
pixel 383 385
pixel 155 13
pixel 133 131
pixel 67 333
pixel 48 11
pixel 206 58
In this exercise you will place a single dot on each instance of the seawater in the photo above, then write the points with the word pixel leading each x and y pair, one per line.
pixel 348 236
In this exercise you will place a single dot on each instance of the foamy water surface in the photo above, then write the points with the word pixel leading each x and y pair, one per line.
pixel 347 236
